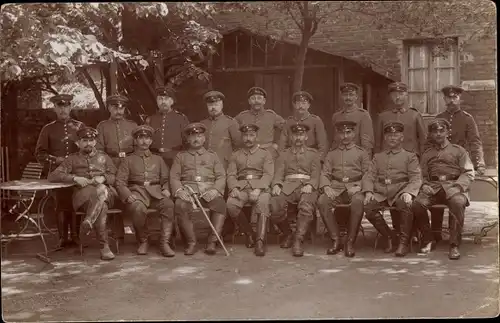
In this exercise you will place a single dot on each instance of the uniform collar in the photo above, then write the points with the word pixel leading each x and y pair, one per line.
pixel 143 153
pixel 200 151
pixel 117 120
pixel 251 151
pixel 394 151
pixel 217 117
pixel 256 113
pixel 91 154
pixel 298 117
pixel 161 113
pixel 441 147
pixel 401 109
pixel 351 109
pixel 69 120
pixel 458 109
pixel 298 150
pixel 346 147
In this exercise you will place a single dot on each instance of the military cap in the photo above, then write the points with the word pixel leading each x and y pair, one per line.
pixel 344 125
pixel 452 89
pixel 257 90
pixel 397 87
pixel 250 127
pixel 116 98
pixel 87 133
pixel 143 130
pixel 393 126
pixel 195 127
pixel 165 91
pixel 301 96
pixel 213 96
pixel 437 124
pixel 62 98
pixel 348 87
pixel 299 128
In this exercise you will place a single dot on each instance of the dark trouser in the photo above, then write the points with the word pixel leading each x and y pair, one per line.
pixel 100 222
pixel 138 210
pixel 456 205
pixel 437 217
pixel 403 210
pixel 66 217
pixel 260 207
pixel 325 206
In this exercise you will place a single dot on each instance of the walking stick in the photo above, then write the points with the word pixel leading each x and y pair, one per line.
pixel 198 203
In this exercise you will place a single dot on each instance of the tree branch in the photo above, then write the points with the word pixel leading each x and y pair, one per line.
pixel 290 13
pixel 97 95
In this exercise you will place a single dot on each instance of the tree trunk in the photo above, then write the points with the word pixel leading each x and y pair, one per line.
pixel 299 63
pixel 97 94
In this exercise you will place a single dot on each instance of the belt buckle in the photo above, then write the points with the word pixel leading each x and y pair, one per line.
pixel 197 178
pixel 387 181
pixel 249 177
pixel 161 150
pixel 147 183
pixel 121 154
pixel 442 178
pixel 345 179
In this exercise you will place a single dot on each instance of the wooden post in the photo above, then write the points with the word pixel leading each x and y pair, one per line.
pixel 210 70
pixel 112 83
pixel 159 72
pixel 251 51
pixel 236 51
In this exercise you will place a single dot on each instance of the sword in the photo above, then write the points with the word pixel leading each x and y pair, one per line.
pixel 194 196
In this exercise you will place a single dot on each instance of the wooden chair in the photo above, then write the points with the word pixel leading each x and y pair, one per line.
pixel 114 213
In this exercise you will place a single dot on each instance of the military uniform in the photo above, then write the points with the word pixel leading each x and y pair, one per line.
pixel 168 126
pixel 393 172
pixel 294 169
pixel 448 171
pixel 222 134
pixel 270 124
pixel 57 139
pixel 415 133
pixel 96 197
pixel 342 171
pixel 141 179
pixel 250 169
pixel 316 137
pixel 202 171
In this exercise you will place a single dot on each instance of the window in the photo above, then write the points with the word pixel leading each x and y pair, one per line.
pixel 427 73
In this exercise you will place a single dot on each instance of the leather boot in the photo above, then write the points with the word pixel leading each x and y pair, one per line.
pixel 218 223
pixel 284 227
pixel 297 248
pixel 187 227
pixel 142 239
pixel 102 236
pixel 396 221
pixel 383 229
pixel 246 228
pixel 167 228
pixel 261 236
pixel 404 236
pixel 454 253
pixel 437 216
pixel 354 223
pixel 332 227
pixel 62 229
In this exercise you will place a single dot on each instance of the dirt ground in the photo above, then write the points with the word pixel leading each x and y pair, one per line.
pixel 242 286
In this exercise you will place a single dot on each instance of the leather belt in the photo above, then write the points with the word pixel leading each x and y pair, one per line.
pixel 346 179
pixel 266 145
pixel 161 150
pixel 444 178
pixel 121 154
pixel 297 176
pixel 146 183
pixel 248 177
pixel 203 179
pixel 388 181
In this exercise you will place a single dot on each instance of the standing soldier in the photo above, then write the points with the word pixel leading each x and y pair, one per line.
pixel 202 171
pixel 168 125
pixel 447 172
pixel 56 142
pixel 463 132
pixel 394 178
pixel 270 124
pixel 296 180
pixel 222 131
pixel 317 137
pixel 142 183
pixel 340 182
pixel 415 133
pixel 94 174
pixel 115 138
pixel 249 175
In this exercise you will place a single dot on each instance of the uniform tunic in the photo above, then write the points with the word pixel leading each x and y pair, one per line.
pixel 115 137
pixel 364 127
pixel 168 131
pixel 316 136
pixel 415 132
pixel 392 173
pixel 270 125
pixel 222 136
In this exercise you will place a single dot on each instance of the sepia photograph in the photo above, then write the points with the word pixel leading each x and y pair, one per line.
pixel 267 160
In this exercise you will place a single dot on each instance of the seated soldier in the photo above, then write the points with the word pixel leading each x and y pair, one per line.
pixel 340 183
pixel 295 180
pixel 393 180
pixel 249 175
pixel 198 171
pixel 93 172
pixel 447 172
pixel 142 183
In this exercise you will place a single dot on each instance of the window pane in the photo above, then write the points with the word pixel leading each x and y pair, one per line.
pixel 439 105
pixel 418 80
pixel 444 77
pixel 418 56
pixel 418 101
pixel 445 59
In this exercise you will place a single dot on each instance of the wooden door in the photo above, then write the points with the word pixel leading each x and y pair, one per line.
pixel 278 87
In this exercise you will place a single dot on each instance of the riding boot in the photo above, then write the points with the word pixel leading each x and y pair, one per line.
pixel 284 227
pixel 187 228
pixel 62 229
pixel 300 232
pixel 141 233
pixel 246 228
pixel 396 221
pixel 332 227
pixel 381 226
pixel 261 236
pixel 102 236
pixel 72 220
pixel 404 235
pixel 437 216
pixel 167 227
pixel 352 234
pixel 218 223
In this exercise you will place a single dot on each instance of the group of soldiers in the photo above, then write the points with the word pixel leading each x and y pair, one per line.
pixel 264 161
